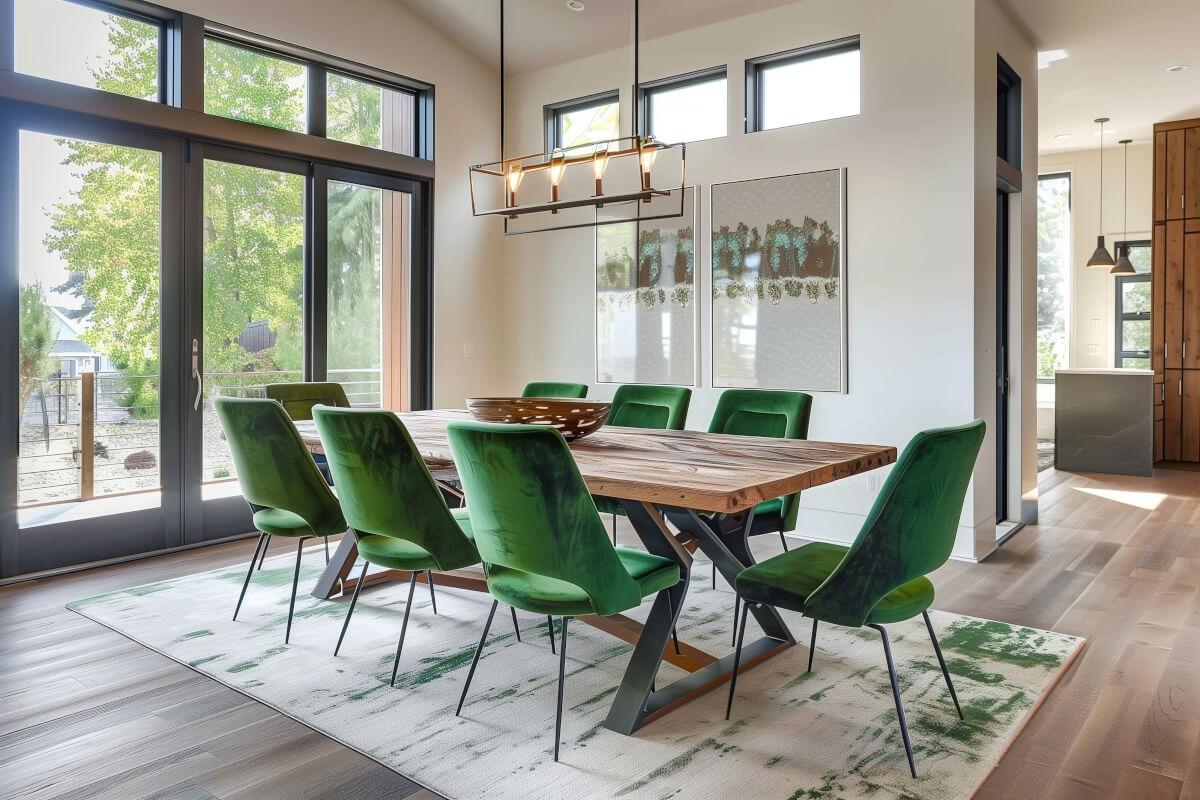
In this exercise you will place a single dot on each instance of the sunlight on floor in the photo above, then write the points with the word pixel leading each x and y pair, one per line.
pixel 1146 500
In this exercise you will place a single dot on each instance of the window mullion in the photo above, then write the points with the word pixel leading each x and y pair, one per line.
pixel 317 113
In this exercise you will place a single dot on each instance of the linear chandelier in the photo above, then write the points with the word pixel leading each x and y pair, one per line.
pixel 585 185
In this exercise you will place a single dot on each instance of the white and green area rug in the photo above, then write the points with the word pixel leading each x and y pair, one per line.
pixel 828 734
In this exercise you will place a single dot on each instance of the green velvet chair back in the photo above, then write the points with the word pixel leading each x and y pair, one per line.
pixel 274 468
pixel 661 407
pixel 555 389
pixel 531 511
pixel 298 399
pixel 781 415
pixel 911 527
pixel 384 486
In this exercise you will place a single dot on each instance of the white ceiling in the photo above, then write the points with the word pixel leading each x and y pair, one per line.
pixel 1117 53
pixel 541 33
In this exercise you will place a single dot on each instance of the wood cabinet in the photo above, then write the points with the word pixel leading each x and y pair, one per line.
pixel 1175 291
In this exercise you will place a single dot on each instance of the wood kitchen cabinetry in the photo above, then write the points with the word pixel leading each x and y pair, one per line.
pixel 1175 291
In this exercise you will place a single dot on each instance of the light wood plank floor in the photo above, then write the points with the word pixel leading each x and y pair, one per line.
pixel 85 713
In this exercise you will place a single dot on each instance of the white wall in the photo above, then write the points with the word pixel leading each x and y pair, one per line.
pixel 1092 324
pixel 384 34
pixel 917 284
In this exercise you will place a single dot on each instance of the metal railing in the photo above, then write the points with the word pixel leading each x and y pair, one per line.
pixel 97 434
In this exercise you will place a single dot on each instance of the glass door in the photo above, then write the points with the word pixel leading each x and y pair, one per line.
pixel 248 283
pixel 97 471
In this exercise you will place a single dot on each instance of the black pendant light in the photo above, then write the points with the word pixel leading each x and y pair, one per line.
pixel 1101 258
pixel 1124 266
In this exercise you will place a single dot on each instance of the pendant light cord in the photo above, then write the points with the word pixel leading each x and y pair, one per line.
pixel 1125 192
pixel 502 165
pixel 1101 175
pixel 637 100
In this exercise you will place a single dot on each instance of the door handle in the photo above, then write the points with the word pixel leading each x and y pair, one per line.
pixel 196 374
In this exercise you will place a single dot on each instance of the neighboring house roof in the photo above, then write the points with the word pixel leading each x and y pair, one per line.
pixel 71 348
pixel 67 330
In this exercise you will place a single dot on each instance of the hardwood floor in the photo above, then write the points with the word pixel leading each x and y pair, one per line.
pixel 85 713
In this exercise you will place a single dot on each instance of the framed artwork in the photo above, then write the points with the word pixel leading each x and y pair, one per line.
pixel 646 300
pixel 778 282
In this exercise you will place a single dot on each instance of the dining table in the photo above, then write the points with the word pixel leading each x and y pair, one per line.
pixel 683 492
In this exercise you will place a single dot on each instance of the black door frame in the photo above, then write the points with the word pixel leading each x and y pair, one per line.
pixel 58 545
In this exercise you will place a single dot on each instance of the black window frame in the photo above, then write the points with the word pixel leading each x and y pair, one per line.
pixel 755 100
pixel 1121 316
pixel 1008 114
pixel 648 89
pixel 553 113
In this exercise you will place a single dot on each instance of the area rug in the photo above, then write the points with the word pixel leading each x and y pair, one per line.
pixel 830 733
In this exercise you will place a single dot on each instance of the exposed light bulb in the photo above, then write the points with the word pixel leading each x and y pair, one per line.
pixel 599 167
pixel 558 165
pixel 649 151
pixel 514 177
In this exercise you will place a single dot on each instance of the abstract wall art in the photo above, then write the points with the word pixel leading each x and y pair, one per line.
pixel 646 300
pixel 778 282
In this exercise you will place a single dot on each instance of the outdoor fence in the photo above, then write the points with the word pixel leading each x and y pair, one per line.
pixel 97 434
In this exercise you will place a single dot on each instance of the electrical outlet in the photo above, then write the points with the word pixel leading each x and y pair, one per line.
pixel 872 483
pixel 468 350
pixel 1093 349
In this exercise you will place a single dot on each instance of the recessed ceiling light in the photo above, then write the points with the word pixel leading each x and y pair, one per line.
pixel 576 5
pixel 1062 136
pixel 1178 68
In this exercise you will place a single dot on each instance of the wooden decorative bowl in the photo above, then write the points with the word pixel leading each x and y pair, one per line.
pixel 574 419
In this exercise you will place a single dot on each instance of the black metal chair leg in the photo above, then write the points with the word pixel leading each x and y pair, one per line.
pixel 432 595
pixel 937 648
pixel 783 539
pixel 737 604
pixel 737 660
pixel 887 652
pixel 674 633
pixel 614 529
pixel 516 627
pixel 295 582
pixel 714 573
pixel 353 602
pixel 263 557
pixel 475 661
pixel 550 625
pixel 812 645
pixel 412 584
pixel 258 547
pixel 326 549
pixel 562 669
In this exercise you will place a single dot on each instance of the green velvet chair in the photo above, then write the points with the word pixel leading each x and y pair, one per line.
pixel 396 512
pixel 280 481
pixel 298 400
pixel 638 406
pixel 777 414
pixel 543 545
pixel 555 389
pixel 881 577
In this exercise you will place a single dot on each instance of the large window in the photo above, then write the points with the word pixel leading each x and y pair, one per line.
pixel 686 109
pixel 1053 272
pixel 154 270
pixel 86 46
pixel 583 121
pixel 1133 308
pixel 806 85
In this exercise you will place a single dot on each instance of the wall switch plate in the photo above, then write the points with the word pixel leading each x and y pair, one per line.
pixel 872 483
pixel 468 350
pixel 1096 324
pixel 1093 349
